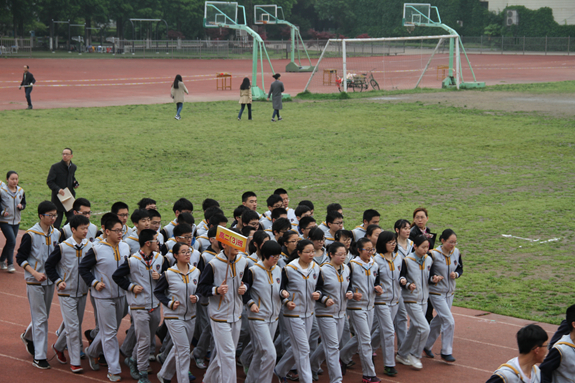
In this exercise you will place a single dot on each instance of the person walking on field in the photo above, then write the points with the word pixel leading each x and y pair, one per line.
pixel 245 98
pixel 60 177
pixel 178 89
pixel 276 90
pixel 28 82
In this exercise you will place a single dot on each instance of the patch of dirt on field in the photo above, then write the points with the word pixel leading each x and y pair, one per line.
pixel 554 104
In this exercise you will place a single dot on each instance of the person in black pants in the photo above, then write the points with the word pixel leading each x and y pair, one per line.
pixel 60 177
pixel 27 82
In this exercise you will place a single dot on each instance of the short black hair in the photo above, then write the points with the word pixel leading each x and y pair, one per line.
pixel 301 209
pixel 570 317
pixel 182 228
pixel 116 207
pixel 279 191
pixel 281 224
pixel 106 217
pixel 333 247
pixel 46 206
pixel 186 218
pixel 343 233
pixel 79 203
pixel 248 195
pixel 334 206
pixel 216 219
pixel 145 236
pixel 79 220
pixel 370 229
pixel 238 211
pixel 270 248
pixel 154 213
pixel 529 337
pixel 111 222
pixel 145 202
pixel 316 234
pixel 183 204
pixel 273 199
pixel 249 215
pixel 278 212
pixel 212 232
pixel 305 221
pixel 138 215
pixel 332 215
pixel 209 202
pixel 383 239
pixel 211 211
pixel 369 214
pixel 246 230
pixel 71 152
pixel 307 203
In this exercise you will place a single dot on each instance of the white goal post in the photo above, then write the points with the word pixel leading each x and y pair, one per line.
pixel 413 54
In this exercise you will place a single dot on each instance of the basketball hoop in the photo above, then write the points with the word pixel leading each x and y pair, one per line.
pixel 410 28
pixel 264 22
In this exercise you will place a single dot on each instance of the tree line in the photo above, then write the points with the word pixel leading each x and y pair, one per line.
pixel 316 18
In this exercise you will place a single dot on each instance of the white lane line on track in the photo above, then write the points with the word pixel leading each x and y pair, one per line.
pixel 55 369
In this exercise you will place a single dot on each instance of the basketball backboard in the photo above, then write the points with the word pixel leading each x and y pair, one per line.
pixel 416 14
pixel 265 14
pixel 217 13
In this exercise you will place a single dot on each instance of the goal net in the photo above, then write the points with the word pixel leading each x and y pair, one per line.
pixel 384 63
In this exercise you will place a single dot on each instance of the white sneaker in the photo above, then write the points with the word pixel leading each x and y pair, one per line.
pixel 415 362
pixel 11 268
pixel 406 361
pixel 200 363
pixel 3 265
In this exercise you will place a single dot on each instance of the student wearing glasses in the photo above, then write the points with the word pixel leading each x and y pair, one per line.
pixel 122 210
pixel 139 275
pixel 262 298
pixel 334 221
pixel 141 220
pixel 81 206
pixel 365 286
pixel 317 236
pixel 36 246
pixel 448 264
pixel 97 268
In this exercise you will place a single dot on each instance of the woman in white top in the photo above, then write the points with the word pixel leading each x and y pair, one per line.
pixel 178 90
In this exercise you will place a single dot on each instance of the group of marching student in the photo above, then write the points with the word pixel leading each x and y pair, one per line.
pixel 299 282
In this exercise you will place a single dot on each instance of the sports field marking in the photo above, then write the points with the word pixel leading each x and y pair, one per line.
pixel 497 322
pixel 56 369
pixel 486 343
pixel 462 365
pixel 529 239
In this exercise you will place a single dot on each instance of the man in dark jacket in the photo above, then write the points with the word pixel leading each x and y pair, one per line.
pixel 62 176
pixel 27 82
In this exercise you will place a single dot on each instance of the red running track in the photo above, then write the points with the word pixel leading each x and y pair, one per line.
pixel 483 341
pixel 64 83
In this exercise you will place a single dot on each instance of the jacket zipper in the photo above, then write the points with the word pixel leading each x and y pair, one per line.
pixel 151 295
pixel 78 284
pixel 186 298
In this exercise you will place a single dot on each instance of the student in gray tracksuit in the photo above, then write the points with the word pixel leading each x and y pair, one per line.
pixel 62 267
pixel 176 290
pixel 298 292
pixel 12 202
pixel 97 268
pixel 448 264
pixel 387 304
pixel 81 206
pixel 330 310
pixel 221 281
pixel 415 278
pixel 138 275
pixel 402 229
pixel 35 248
pixel 559 365
pixel 263 300
pixel 532 342
pixel 141 220
pixel 365 286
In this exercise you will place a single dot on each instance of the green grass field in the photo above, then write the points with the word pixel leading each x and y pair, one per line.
pixel 483 174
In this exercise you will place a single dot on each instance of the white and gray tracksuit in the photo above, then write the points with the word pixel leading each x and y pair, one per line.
pixel 510 372
pixel 91 236
pixel 441 296
pixel 559 366
pixel 358 232
pixel 364 279
pixel 144 306
pixel 35 248
pixel 10 201
pixel 300 284
pixel 225 312
pixel 415 270
pixel 177 286
pixel 202 228
pixel 333 284
pixel 387 304
pixel 203 331
pixel 63 266
pixel 133 241
pixel 98 265
pixel 264 292
pixel 266 220
pixel 400 321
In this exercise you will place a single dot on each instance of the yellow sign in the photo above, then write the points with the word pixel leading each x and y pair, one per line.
pixel 231 238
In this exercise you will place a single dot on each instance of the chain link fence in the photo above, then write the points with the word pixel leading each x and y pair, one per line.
pixel 39 47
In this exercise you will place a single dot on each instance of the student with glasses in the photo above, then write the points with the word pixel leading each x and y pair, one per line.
pixel 317 236
pixel 35 247
pixel 122 210
pixel 334 221
pixel 288 242
pixel 141 220
pixel 448 264
pixel 81 206
pixel 365 286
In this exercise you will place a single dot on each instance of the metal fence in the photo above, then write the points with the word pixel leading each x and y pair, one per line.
pixel 236 49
